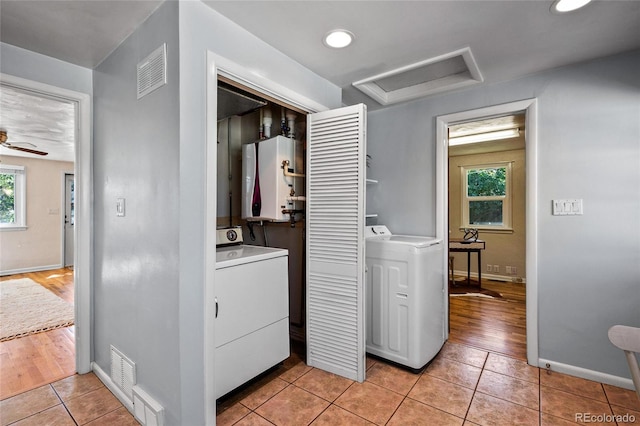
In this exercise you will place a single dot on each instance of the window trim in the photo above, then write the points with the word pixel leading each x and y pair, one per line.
pixel 20 197
pixel 507 200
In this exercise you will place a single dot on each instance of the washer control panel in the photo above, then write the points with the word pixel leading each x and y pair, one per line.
pixel 227 236
pixel 376 231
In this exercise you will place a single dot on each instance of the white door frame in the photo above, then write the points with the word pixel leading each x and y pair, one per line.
pixel 83 171
pixel 529 106
pixel 219 65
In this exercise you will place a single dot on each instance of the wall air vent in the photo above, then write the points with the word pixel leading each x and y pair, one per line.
pixel 152 71
pixel 435 75
pixel 123 372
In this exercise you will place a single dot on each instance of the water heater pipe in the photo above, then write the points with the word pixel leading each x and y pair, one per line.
pixel 266 122
pixel 285 169
pixel 291 119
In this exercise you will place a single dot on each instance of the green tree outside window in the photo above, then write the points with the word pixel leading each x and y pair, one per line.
pixel 7 198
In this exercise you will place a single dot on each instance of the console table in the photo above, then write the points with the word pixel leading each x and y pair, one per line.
pixel 462 246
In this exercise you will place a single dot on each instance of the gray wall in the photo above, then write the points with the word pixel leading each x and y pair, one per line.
pixel 44 69
pixel 202 29
pixel 136 151
pixel 589 148
pixel 150 265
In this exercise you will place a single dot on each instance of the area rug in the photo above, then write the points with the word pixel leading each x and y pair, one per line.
pixel 28 308
pixel 469 290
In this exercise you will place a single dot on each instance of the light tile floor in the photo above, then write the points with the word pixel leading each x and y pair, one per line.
pixel 76 400
pixel 463 385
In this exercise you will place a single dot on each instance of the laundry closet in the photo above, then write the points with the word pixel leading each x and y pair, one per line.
pixel 268 206
pixel 296 183
pixel 291 219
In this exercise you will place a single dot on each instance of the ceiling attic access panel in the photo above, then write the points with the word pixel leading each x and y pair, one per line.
pixel 336 184
pixel 447 72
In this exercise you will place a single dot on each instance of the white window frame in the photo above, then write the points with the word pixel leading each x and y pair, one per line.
pixel 506 199
pixel 20 196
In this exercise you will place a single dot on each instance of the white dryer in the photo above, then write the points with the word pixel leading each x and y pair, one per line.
pixel 405 297
pixel 251 296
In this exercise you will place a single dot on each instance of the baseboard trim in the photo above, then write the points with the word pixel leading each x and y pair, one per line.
pixel 27 270
pixel 106 379
pixel 584 373
pixel 493 277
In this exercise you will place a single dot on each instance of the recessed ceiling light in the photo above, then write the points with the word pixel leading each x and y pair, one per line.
pixel 563 6
pixel 338 38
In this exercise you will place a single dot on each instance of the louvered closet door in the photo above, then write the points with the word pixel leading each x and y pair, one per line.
pixel 336 145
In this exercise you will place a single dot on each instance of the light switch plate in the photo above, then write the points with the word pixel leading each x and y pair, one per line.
pixel 567 207
pixel 120 207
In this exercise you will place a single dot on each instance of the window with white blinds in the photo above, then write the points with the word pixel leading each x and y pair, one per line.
pixel 336 145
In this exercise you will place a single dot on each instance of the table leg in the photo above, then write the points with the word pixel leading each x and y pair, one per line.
pixel 468 268
pixel 479 269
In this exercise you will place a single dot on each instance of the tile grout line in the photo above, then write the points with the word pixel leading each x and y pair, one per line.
pixel 274 395
pixel 475 389
pixel 407 395
pixel 64 404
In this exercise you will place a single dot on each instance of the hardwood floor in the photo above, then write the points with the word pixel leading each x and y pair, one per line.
pixel 39 359
pixel 497 325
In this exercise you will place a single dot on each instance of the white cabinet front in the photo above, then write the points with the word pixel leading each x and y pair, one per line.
pixel 252 317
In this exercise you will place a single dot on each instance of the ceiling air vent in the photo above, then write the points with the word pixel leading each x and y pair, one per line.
pixel 443 73
pixel 152 71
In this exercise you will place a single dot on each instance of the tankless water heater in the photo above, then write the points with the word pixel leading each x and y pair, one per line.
pixel 266 189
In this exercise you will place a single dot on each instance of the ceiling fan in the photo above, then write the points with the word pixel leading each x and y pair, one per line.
pixel 18 146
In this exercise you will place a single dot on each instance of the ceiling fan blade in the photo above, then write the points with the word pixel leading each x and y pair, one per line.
pixel 4 143
pixel 31 151
pixel 23 143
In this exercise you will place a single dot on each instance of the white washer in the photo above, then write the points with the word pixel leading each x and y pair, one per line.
pixel 405 297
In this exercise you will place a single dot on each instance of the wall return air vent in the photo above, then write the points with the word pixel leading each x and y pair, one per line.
pixel 123 372
pixel 435 75
pixel 152 71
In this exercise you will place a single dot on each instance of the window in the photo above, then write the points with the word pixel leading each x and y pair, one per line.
pixel 12 197
pixel 486 196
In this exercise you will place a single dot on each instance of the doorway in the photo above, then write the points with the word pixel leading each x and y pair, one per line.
pixel 529 107
pixel 83 239
pixel 486 185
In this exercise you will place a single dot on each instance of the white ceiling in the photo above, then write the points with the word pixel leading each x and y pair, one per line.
pixel 508 39
pixel 82 32
pixel 37 122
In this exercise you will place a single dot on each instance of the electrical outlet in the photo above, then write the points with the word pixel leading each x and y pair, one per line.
pixel 508 270
pixel 496 268
pixel 489 268
pixel 514 270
